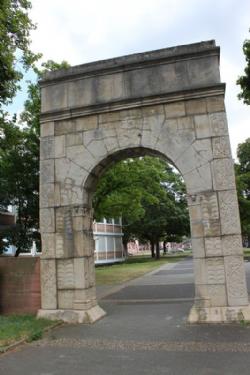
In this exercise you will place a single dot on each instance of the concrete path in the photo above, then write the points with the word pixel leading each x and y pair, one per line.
pixel 145 332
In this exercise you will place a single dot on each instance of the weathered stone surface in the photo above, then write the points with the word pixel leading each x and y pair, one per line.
pixel 47 171
pixel 202 126
pixel 65 273
pixel 65 127
pixel 217 314
pixel 48 284
pixel 59 250
pixel 47 148
pixel 47 195
pixel 211 125
pixel 73 316
pixel 174 110
pixel 218 124
pixel 60 148
pixel 217 295
pixel 47 220
pixel 198 248
pixel 48 245
pixel 199 179
pixel 215 271
pixel 223 174
pixel 74 139
pixel 65 299
pixel 232 245
pixel 196 156
pixel 229 213
pixel 236 281
pixel 86 123
pixel 47 129
pixel 200 272
pixel 166 103
pixel 196 106
pixel 221 147
pixel 83 243
pixel 213 246
pixel 215 104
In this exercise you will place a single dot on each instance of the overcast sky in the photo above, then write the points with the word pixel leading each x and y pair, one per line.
pixel 81 31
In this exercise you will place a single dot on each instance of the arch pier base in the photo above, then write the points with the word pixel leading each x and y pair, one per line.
pixel 219 314
pixel 74 316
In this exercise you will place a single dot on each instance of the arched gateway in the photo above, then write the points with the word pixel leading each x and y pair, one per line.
pixel 168 103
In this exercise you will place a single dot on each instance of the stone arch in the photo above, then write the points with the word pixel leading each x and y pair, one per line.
pixel 168 103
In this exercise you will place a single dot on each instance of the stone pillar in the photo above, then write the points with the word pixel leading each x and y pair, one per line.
pixel 67 262
pixel 220 281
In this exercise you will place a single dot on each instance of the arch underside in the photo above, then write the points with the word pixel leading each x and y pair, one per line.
pixel 77 148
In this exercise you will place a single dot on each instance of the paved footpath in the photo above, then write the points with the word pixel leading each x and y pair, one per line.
pixel 144 332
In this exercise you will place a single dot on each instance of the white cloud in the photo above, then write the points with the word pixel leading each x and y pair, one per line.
pixel 80 31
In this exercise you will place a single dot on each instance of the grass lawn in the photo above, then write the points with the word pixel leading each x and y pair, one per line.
pixel 17 327
pixel 133 267
pixel 246 252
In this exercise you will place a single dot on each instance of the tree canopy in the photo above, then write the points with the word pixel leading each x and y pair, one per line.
pixel 244 80
pixel 149 196
pixel 243 186
pixel 19 166
pixel 15 53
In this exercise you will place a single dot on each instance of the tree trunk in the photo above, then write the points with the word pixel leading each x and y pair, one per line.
pixel 18 251
pixel 152 248
pixel 125 248
pixel 165 247
pixel 157 250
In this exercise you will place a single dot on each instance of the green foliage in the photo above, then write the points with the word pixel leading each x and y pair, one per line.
pixel 15 54
pixel 244 80
pixel 149 196
pixel 243 185
pixel 19 167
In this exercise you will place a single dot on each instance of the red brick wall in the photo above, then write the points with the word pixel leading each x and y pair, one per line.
pixel 19 285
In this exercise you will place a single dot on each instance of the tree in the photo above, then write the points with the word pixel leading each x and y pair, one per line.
pixel 244 80
pixel 243 186
pixel 149 196
pixel 19 166
pixel 15 53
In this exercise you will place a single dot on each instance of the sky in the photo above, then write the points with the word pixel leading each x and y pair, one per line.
pixel 81 31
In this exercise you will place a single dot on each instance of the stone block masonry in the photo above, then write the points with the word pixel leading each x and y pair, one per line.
pixel 167 103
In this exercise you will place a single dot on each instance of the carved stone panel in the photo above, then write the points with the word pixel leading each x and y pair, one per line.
pixel 229 213
pixel 65 273
pixel 59 250
pixel 213 246
pixel 215 271
pixel 218 124
pixel 236 281
pixel 48 284
pixel 210 214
